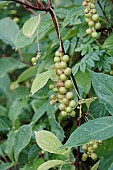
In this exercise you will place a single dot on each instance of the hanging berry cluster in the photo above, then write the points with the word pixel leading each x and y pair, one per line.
pixel 89 149
pixel 92 18
pixel 63 87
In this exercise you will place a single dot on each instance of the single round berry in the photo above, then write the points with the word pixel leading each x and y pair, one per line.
pixel 90 149
pixel 59 72
pixel 94 34
pixel 95 146
pixel 89 31
pixel 94 156
pixel 63 77
pixel 72 103
pixel 92 6
pixel 87 20
pixel 84 3
pixel 34 60
pixel 65 101
pixel 62 90
pixel 60 96
pixel 56 59
pixel 58 54
pixel 60 83
pixel 65 58
pixel 63 65
pixel 97 25
pixel 73 113
pixel 52 102
pixel 64 114
pixel 53 97
pixel 68 84
pixel 95 17
pixel 93 11
pixel 89 15
pixel 100 141
pixel 62 107
pixel 84 157
pixel 85 147
pixel 91 23
pixel 68 71
pixel 57 65
pixel 86 11
pixel 68 109
pixel 69 95
pixel 55 89
pixel 51 86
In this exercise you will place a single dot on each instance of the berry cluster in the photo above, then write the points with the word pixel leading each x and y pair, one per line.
pixel 92 18
pixel 89 149
pixel 63 86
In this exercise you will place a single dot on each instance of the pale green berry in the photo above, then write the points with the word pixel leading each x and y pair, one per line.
pixel 51 86
pixel 68 71
pixel 34 60
pixel 64 114
pixel 65 58
pixel 95 17
pixel 62 107
pixel 94 156
pixel 97 25
pixel 85 147
pixel 68 109
pixel 72 114
pixel 56 59
pixel 84 157
pixel 72 103
pixel 68 84
pixel 94 34
pixel 89 31
pixel 63 65
pixel 63 77
pixel 91 23
pixel 65 101
pixel 62 90
pixel 69 95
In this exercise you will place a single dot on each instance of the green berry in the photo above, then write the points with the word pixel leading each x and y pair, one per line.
pixel 34 60
pixel 60 83
pixel 89 15
pixel 65 101
pixel 89 31
pixel 87 20
pixel 60 96
pixel 68 71
pixel 72 103
pixel 68 109
pixel 55 89
pixel 95 146
pixel 90 149
pixel 94 156
pixel 69 95
pixel 68 84
pixel 63 77
pixel 62 90
pixel 95 17
pixel 64 114
pixel 51 86
pixel 94 34
pixel 73 113
pixel 63 65
pixel 97 25
pixel 53 97
pixel 65 58
pixel 57 65
pixel 59 72
pixel 86 11
pixel 56 59
pixel 85 147
pixel 58 54
pixel 100 141
pixel 84 157
pixel 52 102
pixel 91 23
pixel 93 6
pixel 93 11
pixel 62 107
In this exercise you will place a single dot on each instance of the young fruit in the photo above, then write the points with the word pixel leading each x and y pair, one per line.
pixel 58 54
pixel 55 89
pixel 69 95
pixel 56 59
pixel 68 109
pixel 51 86
pixel 63 65
pixel 87 20
pixel 93 11
pixel 97 25
pixel 94 34
pixel 53 97
pixel 57 65
pixel 62 90
pixel 64 114
pixel 91 23
pixel 63 77
pixel 65 101
pixel 52 102
pixel 60 96
pixel 89 15
pixel 68 84
pixel 85 147
pixel 62 107
pixel 73 113
pixel 94 156
pixel 65 58
pixel 34 60
pixel 95 17
pixel 60 83
pixel 72 103
pixel 68 71
pixel 59 72
pixel 89 31
pixel 84 157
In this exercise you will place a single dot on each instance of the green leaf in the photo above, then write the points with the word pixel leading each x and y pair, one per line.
pixel 2 4
pixel 8 65
pixel 40 81
pixel 27 74
pixel 6 166
pixel 89 101
pixel 103 86
pixel 109 44
pixel 50 164
pixel 48 142
pixel 97 129
pixel 22 139
pixel 8 31
pixel 4 124
pixel 95 167
pixel 31 25
pixel 22 41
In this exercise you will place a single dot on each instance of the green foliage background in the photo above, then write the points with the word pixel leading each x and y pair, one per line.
pixel 22 113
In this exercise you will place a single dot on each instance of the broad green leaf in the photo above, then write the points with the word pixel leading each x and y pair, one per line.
pixel 40 81
pixel 6 166
pixel 22 139
pixel 97 129
pixel 103 86
pixel 4 124
pixel 95 167
pixel 3 111
pixel 48 142
pixel 109 44
pixel 106 162
pixel 50 164
pixel 89 101
pixel 27 74
pixel 8 31
pixel 10 144
pixel 53 76
pixel 2 4
pixel 8 65
pixel 31 25
pixel 5 86
pixel 22 41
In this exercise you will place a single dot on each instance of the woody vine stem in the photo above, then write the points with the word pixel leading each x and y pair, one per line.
pixel 39 6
